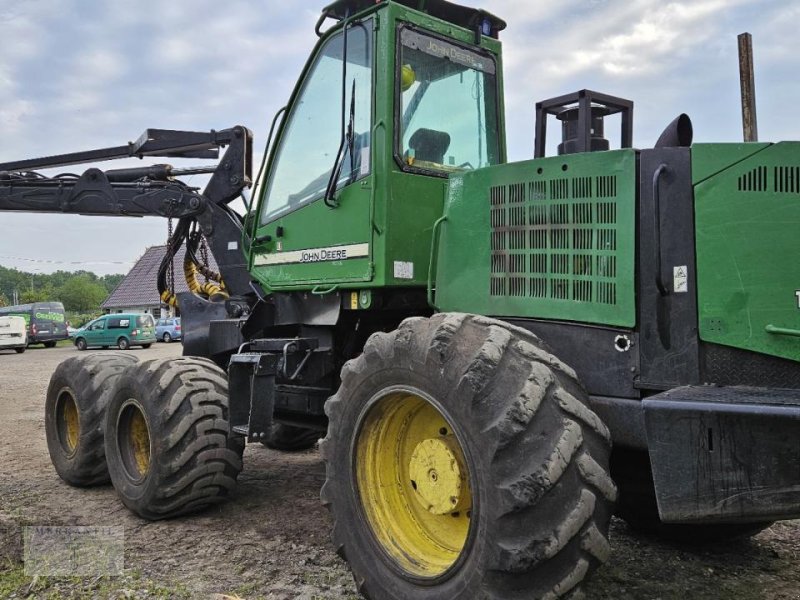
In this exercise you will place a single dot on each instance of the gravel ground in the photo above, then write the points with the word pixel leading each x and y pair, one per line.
pixel 272 540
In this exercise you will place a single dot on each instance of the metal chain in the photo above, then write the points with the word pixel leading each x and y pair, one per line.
pixel 204 257
pixel 171 267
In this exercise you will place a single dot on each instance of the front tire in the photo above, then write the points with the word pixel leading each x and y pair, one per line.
pixel 168 441
pixel 80 344
pixel 19 350
pixel 462 462
pixel 49 344
pixel 75 406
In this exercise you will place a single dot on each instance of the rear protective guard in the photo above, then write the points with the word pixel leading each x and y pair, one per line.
pixel 725 454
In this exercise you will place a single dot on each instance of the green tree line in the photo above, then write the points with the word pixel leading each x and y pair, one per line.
pixel 81 292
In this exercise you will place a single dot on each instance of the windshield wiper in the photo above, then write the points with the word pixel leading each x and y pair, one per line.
pixel 346 145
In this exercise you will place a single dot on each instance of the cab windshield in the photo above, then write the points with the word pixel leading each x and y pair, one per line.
pixel 448 105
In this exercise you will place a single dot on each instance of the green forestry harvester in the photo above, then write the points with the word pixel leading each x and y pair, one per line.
pixel 472 335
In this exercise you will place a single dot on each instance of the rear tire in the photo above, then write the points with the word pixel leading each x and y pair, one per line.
pixel 80 344
pixel 289 438
pixel 168 441
pixel 75 406
pixel 167 338
pixel 481 403
pixel 123 343
pixel 49 344
pixel 19 350
pixel 146 346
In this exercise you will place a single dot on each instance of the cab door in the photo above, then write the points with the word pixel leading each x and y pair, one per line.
pixel 306 238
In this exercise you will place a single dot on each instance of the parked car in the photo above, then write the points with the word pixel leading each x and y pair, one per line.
pixel 45 321
pixel 168 329
pixel 13 334
pixel 120 330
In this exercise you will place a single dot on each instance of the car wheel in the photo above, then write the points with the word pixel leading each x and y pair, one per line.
pixel 123 343
pixel 167 338
pixel 20 350
pixel 146 346
pixel 80 344
pixel 49 344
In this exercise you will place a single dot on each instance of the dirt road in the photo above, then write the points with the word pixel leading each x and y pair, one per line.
pixel 271 541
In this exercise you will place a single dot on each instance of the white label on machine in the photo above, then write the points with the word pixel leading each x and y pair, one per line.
pixel 311 255
pixel 233 245
pixel 680 279
pixel 364 162
pixel 403 270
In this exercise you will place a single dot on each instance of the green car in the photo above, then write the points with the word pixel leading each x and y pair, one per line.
pixel 120 330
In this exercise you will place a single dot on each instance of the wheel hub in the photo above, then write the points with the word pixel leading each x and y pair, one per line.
pixel 414 483
pixel 436 475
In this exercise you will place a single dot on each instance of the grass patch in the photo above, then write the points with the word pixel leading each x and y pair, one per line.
pixel 132 584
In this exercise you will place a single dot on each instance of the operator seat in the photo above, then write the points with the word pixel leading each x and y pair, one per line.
pixel 429 145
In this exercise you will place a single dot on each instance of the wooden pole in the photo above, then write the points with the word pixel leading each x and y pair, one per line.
pixel 748 86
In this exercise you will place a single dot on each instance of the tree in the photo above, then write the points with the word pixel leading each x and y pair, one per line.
pixel 3 300
pixel 81 294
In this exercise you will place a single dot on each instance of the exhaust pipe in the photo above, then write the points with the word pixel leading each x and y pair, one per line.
pixel 678 134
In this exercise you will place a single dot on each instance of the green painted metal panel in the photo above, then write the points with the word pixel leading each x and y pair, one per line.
pixel 343 234
pixel 551 238
pixel 710 159
pixel 748 252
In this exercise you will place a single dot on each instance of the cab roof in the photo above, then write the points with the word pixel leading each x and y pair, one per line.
pixel 463 16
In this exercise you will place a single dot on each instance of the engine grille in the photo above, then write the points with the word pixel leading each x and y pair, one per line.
pixel 556 239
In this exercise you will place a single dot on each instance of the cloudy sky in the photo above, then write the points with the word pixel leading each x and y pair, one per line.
pixel 81 74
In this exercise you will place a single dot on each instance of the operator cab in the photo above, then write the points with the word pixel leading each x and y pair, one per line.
pixel 396 97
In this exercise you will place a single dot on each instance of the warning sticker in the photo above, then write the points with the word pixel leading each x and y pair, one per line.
pixel 680 279
pixel 403 270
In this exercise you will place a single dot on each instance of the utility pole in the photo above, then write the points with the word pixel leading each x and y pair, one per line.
pixel 748 85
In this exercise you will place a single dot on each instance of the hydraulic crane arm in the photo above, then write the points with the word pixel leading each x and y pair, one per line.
pixel 148 191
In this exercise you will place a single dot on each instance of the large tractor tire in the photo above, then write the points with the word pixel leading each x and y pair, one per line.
pixel 77 396
pixel 289 438
pixel 168 441
pixel 463 463
pixel 638 507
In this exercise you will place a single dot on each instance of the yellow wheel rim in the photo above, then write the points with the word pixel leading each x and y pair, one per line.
pixel 413 483
pixel 69 424
pixel 134 440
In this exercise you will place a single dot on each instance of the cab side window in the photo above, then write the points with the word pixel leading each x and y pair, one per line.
pixel 310 141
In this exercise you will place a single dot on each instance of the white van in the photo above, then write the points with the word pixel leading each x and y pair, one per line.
pixel 13 334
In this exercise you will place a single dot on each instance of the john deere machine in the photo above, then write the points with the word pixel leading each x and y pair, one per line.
pixel 472 335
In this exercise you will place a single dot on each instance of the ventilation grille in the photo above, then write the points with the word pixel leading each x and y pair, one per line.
pixel 782 180
pixel 556 239
pixel 787 179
